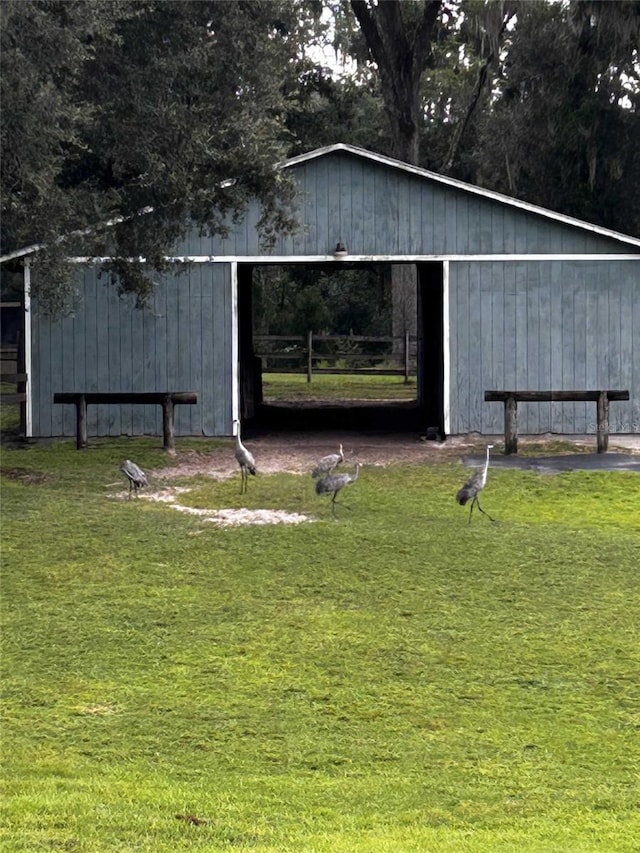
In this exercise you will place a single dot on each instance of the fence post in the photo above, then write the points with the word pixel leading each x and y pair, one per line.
pixel 406 358
pixel 309 355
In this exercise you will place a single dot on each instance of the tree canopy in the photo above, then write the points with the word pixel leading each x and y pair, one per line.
pixel 110 109
pixel 181 109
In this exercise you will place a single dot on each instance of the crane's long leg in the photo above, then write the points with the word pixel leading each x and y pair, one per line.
pixel 334 502
pixel 471 510
pixel 483 512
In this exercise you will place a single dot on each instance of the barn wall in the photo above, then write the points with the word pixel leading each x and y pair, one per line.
pixel 379 210
pixel 548 325
pixel 180 342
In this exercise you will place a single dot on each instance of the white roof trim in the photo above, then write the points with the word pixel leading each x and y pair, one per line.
pixel 461 185
pixel 20 253
pixel 331 259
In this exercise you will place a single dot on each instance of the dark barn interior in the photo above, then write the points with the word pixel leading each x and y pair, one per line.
pixel 425 413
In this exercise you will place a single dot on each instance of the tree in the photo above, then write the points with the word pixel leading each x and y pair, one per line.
pixel 139 105
pixel 564 130
pixel 399 37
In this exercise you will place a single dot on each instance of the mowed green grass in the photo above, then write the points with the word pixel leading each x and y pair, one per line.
pixel 395 680
pixel 328 386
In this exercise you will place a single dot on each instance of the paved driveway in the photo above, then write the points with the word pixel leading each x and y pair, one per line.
pixel 556 463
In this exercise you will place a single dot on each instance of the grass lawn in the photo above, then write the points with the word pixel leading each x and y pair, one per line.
pixel 394 681
pixel 329 386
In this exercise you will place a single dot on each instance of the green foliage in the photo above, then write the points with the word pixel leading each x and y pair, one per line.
pixel 564 128
pixel 140 106
pixel 340 302
pixel 396 680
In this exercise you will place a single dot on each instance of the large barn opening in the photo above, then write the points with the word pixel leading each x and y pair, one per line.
pixel 342 346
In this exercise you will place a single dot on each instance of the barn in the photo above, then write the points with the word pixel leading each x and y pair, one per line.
pixel 509 296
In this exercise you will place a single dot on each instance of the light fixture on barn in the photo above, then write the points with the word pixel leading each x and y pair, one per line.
pixel 340 251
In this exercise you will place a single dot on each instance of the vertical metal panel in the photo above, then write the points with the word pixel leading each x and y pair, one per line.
pixel 40 380
pixel 463 218
pixel 414 218
pixel 486 349
pixel 555 346
pixel 543 376
pixel 508 329
pixel 627 362
pixel 404 215
pixel 580 287
pixel 552 326
pixel 630 421
pixel 180 342
pixel 187 420
pixel 438 233
pixel 531 331
pixel 322 174
pixel 374 207
pixel 222 347
pixel 461 373
pixel 496 236
pixel 207 391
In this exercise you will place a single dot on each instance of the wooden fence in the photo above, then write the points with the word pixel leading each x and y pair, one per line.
pixel 12 375
pixel 304 354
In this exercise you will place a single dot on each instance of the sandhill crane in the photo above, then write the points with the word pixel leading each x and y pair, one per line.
pixel 327 464
pixel 245 459
pixel 474 485
pixel 333 483
pixel 135 475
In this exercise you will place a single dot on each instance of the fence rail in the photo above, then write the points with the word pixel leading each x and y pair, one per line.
pixel 304 353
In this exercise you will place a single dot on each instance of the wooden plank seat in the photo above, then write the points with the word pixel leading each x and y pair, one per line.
pixel 601 398
pixel 166 399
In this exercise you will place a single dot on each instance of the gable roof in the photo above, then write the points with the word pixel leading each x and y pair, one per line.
pixel 407 168
pixel 342 147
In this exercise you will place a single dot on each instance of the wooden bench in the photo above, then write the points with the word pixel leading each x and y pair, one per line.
pixel 512 398
pixel 166 399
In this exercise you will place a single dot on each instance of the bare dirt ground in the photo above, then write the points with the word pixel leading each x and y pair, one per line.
pixel 297 453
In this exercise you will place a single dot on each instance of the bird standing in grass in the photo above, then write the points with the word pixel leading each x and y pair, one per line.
pixel 472 488
pixel 328 463
pixel 334 483
pixel 245 459
pixel 135 475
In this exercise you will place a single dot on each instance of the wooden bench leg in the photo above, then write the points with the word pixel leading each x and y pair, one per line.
pixel 81 424
pixel 602 426
pixel 510 426
pixel 169 440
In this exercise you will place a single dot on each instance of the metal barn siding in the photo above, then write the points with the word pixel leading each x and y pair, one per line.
pixel 182 341
pixel 377 209
pixel 542 325
pixel 528 304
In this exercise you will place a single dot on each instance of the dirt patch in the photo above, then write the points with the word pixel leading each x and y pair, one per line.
pixel 223 517
pixel 297 453
pixel 24 475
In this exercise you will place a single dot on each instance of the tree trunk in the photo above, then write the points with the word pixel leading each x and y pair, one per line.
pixel 401 50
